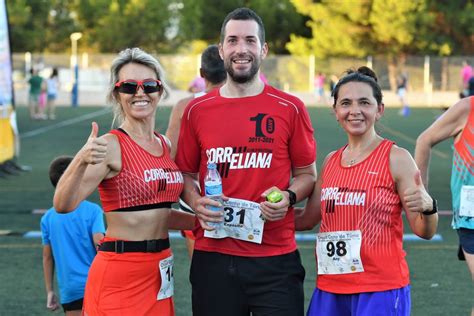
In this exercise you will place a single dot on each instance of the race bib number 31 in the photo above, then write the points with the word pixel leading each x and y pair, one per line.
pixel 167 278
pixel 241 221
pixel 339 252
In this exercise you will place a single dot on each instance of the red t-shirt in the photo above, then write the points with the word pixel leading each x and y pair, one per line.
pixel 145 181
pixel 255 141
pixel 364 197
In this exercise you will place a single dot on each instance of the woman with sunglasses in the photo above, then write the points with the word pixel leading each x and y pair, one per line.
pixel 132 273
pixel 358 198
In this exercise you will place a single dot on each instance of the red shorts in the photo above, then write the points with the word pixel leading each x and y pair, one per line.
pixel 126 284
pixel 188 234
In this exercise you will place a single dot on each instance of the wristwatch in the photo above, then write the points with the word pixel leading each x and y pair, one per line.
pixel 433 211
pixel 291 197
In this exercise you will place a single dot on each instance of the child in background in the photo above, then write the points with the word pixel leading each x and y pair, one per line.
pixel 69 244
pixel 52 85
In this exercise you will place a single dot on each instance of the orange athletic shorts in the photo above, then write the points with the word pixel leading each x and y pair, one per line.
pixel 126 284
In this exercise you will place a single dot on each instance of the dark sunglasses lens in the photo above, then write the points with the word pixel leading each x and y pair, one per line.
pixel 128 87
pixel 151 86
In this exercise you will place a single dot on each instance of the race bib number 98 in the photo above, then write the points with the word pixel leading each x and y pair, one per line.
pixel 339 252
pixel 241 221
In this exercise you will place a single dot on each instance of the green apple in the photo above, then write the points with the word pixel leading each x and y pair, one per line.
pixel 274 197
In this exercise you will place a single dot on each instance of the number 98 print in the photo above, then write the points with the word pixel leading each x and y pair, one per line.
pixel 339 248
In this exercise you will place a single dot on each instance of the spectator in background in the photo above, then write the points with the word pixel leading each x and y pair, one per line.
pixel 319 82
pixel 197 85
pixel 36 86
pixel 332 84
pixel 214 74
pixel 466 74
pixel 402 86
pixel 69 245
pixel 52 86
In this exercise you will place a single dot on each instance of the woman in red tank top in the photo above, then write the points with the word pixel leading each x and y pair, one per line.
pixel 132 273
pixel 358 199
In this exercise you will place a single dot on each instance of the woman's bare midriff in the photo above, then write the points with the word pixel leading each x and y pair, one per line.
pixel 138 225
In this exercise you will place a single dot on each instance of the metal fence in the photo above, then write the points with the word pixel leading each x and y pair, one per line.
pixel 290 73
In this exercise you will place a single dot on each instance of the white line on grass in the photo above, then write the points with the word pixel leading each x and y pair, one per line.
pixel 298 236
pixel 19 246
pixel 64 123
pixel 411 140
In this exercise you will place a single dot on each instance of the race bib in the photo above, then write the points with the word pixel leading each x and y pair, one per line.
pixel 466 207
pixel 241 221
pixel 339 252
pixel 167 278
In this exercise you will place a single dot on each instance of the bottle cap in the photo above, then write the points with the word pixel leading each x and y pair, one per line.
pixel 211 165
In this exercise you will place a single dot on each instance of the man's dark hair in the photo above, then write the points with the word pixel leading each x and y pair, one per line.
pixel 212 65
pixel 57 168
pixel 244 14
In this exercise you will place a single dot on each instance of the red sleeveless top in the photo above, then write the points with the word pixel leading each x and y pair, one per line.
pixel 364 197
pixel 145 181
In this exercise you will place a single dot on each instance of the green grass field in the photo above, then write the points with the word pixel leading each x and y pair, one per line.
pixel 441 284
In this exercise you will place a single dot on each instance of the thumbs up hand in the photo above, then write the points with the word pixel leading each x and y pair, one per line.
pixel 415 198
pixel 94 131
pixel 95 149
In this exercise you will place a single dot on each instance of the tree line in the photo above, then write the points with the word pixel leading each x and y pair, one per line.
pixel 324 28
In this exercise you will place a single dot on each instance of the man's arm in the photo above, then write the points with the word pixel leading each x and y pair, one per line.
pixel 181 220
pixel 302 185
pixel 450 124
pixel 48 271
pixel 303 181
pixel 175 123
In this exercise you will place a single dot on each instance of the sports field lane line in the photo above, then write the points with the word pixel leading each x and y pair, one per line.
pixel 20 246
pixel 64 123
pixel 409 139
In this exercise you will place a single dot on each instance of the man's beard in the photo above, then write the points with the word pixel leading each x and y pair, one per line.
pixel 242 77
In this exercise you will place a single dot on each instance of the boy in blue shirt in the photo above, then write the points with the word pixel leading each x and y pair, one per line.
pixel 69 244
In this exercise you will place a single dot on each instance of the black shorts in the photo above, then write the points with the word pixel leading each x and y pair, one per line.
pixel 73 306
pixel 466 242
pixel 237 286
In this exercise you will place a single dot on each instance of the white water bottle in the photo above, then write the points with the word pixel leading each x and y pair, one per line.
pixel 213 189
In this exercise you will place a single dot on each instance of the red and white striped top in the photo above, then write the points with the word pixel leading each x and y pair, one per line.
pixel 364 197
pixel 145 182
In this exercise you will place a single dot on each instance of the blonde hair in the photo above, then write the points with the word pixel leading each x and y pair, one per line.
pixel 127 56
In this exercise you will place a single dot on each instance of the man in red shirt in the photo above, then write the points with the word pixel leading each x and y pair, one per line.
pixel 261 140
